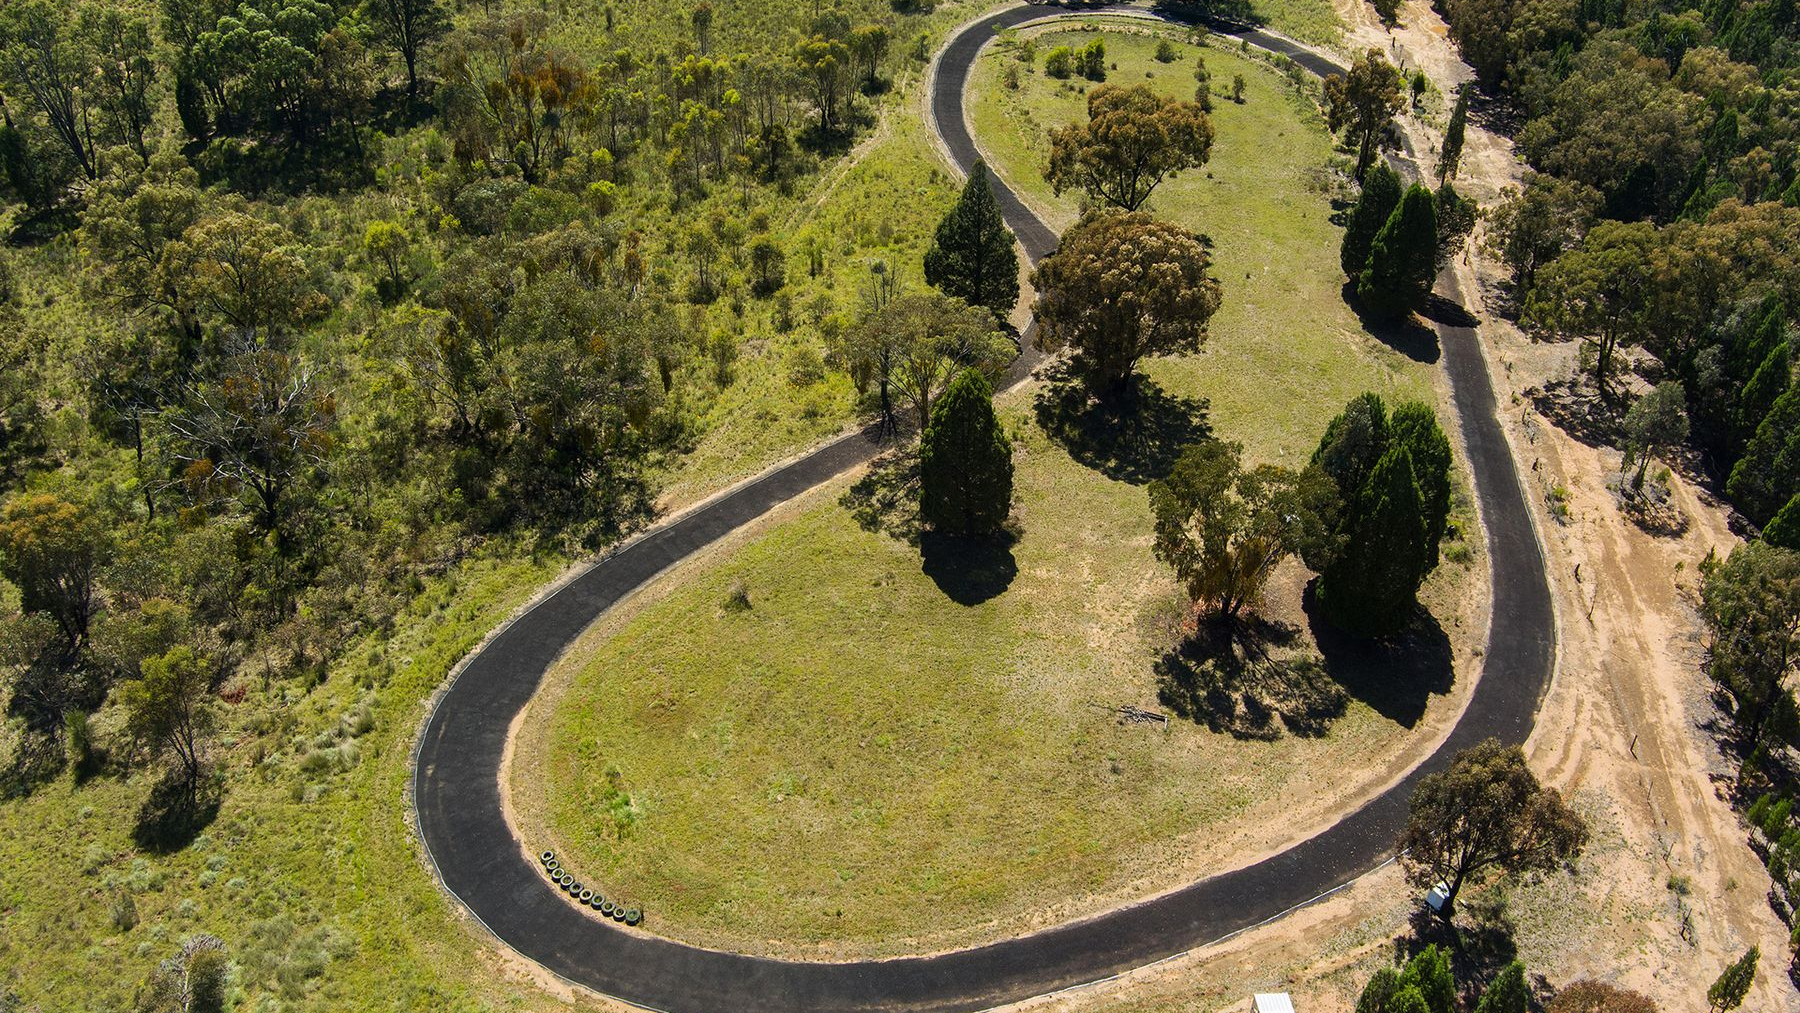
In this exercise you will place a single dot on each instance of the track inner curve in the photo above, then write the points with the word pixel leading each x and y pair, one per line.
pixel 478 859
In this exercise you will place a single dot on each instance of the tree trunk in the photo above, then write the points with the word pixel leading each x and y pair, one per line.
pixel 1448 911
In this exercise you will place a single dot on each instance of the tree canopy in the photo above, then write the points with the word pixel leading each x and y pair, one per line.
pixel 1402 257
pixel 1656 421
pixel 1393 478
pixel 169 710
pixel 1133 140
pixel 1485 814
pixel 920 341
pixel 1123 286
pixel 965 461
pixel 971 255
pixel 52 550
pixel 1751 605
pixel 1223 528
pixel 1374 206
pixel 1362 103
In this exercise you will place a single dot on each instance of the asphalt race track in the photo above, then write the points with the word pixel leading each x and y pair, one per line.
pixel 456 787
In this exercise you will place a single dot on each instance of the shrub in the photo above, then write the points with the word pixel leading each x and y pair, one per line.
pixel 1060 63
pixel 1092 59
pixel 124 912
pixel 1165 52
pixel 805 366
pixel 737 599
pixel 78 743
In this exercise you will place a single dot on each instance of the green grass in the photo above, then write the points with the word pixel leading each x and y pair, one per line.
pixel 1314 21
pixel 858 763
pixel 882 205
pixel 310 873
pixel 1285 352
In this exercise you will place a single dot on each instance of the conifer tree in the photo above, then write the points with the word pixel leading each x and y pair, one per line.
pixel 1768 474
pixel 1450 155
pixel 965 461
pixel 1734 982
pixel 1783 531
pixel 1378 994
pixel 1403 258
pixel 1380 196
pixel 1507 993
pixel 1429 972
pixel 1415 426
pixel 1353 442
pixel 1372 587
pixel 1764 388
pixel 971 256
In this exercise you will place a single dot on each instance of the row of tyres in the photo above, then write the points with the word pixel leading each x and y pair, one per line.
pixel 585 896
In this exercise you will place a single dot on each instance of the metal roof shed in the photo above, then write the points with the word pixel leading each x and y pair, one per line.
pixel 1272 1002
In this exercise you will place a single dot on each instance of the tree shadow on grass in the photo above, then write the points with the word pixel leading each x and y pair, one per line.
pixel 1396 675
pixel 1136 442
pixel 36 761
pixel 1406 335
pixel 969 569
pixel 173 814
pixel 1227 677
pixel 885 499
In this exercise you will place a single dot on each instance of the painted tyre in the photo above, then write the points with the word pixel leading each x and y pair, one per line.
pixel 633 916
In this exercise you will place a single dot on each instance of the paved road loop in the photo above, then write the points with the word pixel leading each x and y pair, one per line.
pixel 456 788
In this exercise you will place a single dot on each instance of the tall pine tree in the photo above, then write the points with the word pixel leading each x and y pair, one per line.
pixel 1783 531
pixel 1508 992
pixel 1372 587
pixel 965 461
pixel 1415 426
pixel 1353 442
pixel 1403 258
pixel 1450 155
pixel 1768 474
pixel 1764 388
pixel 971 256
pixel 1380 196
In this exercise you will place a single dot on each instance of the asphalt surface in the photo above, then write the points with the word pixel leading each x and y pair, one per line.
pixel 480 861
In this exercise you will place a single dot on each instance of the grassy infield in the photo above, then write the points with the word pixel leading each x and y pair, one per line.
pixel 312 877
pixel 858 763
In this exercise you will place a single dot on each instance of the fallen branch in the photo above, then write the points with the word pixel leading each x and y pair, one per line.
pixel 1134 714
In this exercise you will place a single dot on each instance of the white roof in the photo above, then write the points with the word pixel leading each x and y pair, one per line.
pixel 1273 1002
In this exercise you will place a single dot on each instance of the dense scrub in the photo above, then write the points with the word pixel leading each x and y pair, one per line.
pixel 309 310
pixel 1662 216
pixel 1662 228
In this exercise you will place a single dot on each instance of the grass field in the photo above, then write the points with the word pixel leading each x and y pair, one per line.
pixel 1284 346
pixel 882 205
pixel 877 758
pixel 862 763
